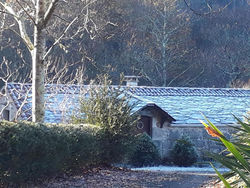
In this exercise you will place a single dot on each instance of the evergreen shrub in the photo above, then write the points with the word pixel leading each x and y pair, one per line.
pixel 31 151
pixel 109 108
pixel 183 152
pixel 144 152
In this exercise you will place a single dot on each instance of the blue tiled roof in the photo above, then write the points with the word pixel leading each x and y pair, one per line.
pixel 170 91
pixel 183 104
pixel 188 109
pixel 60 100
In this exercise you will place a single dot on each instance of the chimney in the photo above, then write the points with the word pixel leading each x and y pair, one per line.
pixel 131 80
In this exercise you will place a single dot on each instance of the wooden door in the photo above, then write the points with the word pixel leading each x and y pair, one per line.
pixel 145 125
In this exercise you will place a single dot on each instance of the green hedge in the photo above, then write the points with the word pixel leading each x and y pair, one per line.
pixel 30 151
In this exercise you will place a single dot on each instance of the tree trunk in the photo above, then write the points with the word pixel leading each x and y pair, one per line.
pixel 163 50
pixel 38 66
pixel 164 64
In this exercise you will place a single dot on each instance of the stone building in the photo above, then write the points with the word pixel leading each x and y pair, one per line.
pixel 166 113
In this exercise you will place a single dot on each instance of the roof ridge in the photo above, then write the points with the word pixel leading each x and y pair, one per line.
pixel 30 84
pixel 156 87
pixel 202 88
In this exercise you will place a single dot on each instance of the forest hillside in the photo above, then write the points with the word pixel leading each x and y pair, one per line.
pixel 182 43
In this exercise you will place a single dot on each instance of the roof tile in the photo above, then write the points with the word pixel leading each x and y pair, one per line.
pixel 183 104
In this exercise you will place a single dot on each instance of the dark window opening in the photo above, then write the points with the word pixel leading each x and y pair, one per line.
pixel 6 115
pixel 145 125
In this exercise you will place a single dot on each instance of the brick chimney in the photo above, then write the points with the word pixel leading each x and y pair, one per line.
pixel 131 80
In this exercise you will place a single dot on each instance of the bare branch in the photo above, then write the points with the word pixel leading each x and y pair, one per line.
pixel 49 11
pixel 21 25
pixel 26 12
pixel 25 101
pixel 4 12
pixel 58 40
pixel 24 34
pixel 61 18
pixel 196 77
pixel 209 7
pixel 179 75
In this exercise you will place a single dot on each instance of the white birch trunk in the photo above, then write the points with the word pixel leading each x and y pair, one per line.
pixel 43 12
pixel 38 110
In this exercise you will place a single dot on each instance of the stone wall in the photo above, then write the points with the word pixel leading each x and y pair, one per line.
pixel 164 138
pixel 6 103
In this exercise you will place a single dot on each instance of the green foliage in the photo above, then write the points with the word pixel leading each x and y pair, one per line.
pixel 183 152
pixel 236 156
pixel 109 108
pixel 144 152
pixel 30 151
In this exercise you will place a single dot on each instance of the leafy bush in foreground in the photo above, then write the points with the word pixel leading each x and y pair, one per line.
pixel 144 152
pixel 109 108
pixel 183 152
pixel 237 153
pixel 30 151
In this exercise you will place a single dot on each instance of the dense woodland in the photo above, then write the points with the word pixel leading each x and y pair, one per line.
pixel 166 42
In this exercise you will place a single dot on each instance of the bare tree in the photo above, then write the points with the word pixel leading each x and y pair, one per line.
pixel 159 40
pixel 223 46
pixel 39 14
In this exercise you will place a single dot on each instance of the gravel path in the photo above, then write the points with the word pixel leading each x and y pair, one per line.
pixel 123 178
